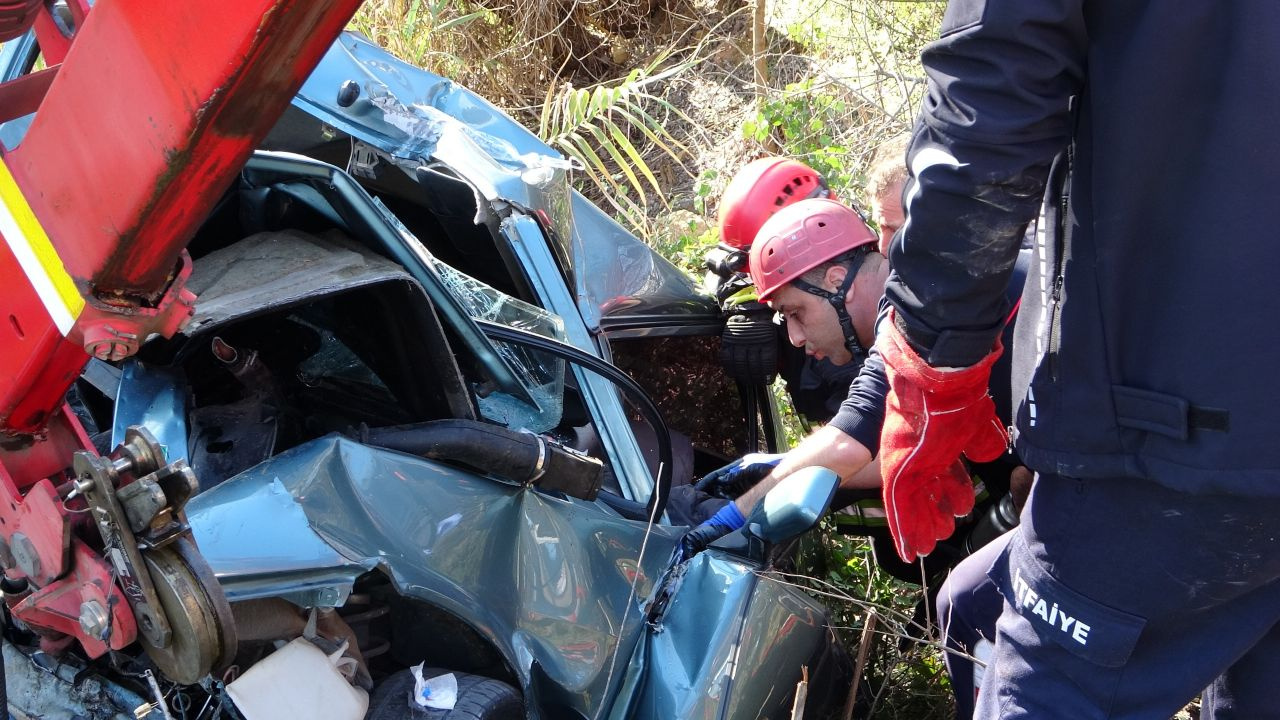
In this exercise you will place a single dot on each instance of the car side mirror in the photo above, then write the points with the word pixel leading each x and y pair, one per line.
pixel 794 505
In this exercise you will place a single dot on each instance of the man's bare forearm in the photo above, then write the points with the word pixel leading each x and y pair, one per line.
pixel 827 447
pixel 868 478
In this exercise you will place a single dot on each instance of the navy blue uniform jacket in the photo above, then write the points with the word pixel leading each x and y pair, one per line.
pixel 1145 330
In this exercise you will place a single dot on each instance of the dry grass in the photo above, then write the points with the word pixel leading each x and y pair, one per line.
pixel 511 51
pixel 518 54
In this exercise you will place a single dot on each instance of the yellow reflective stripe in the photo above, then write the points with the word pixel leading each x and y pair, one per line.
pixel 29 243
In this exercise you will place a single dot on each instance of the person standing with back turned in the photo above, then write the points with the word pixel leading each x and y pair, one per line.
pixel 1147 563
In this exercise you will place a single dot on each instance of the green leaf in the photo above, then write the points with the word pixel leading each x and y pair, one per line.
pixel 590 125
pixel 601 98
pixel 625 144
pixel 652 136
pixel 410 27
pixel 649 122
pixel 548 112
pixel 458 22
pixel 603 142
pixel 578 106
pixel 591 159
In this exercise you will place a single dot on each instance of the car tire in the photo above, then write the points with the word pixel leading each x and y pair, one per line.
pixel 479 698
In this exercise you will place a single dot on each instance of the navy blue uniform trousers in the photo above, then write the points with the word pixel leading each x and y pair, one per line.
pixel 968 605
pixel 1123 599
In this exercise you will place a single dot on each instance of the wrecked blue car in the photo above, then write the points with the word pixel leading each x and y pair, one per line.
pixel 436 402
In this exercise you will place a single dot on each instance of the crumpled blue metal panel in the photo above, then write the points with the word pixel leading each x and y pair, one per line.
pixel 783 631
pixel 153 400
pixel 689 660
pixel 731 646
pixel 545 580
pixel 257 538
pixel 414 115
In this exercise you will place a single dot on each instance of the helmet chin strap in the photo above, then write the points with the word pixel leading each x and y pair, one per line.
pixel 852 262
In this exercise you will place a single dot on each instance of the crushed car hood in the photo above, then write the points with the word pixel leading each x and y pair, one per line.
pixel 541 578
pixel 415 117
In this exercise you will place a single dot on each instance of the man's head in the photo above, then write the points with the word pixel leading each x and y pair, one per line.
pixel 884 188
pixel 760 189
pixel 814 262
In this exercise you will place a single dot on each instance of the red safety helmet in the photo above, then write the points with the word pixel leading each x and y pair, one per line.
pixel 800 237
pixel 761 189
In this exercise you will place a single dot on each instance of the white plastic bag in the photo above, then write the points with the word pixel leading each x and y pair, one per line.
pixel 440 692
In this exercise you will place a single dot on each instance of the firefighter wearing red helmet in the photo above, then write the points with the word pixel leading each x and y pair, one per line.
pixel 754 348
pixel 817 265
pixel 814 249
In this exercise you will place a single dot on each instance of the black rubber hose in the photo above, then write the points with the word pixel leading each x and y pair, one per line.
pixel 520 458
pixel 506 453
pixel 662 483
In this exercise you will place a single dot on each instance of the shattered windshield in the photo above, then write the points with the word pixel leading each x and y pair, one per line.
pixel 542 374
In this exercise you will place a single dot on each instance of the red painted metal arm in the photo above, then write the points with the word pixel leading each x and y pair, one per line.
pixel 143 126
pixel 153 111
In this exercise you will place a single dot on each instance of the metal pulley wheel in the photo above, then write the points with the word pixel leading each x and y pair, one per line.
pixel 203 637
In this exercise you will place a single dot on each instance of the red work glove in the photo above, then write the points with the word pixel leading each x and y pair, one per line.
pixel 931 417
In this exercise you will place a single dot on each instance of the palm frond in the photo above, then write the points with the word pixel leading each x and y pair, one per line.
pixel 599 127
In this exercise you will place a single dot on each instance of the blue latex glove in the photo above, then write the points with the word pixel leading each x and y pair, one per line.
pixel 717 526
pixel 734 479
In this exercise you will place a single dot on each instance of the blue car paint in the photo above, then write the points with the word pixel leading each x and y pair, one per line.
pixel 545 580
pixel 154 399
